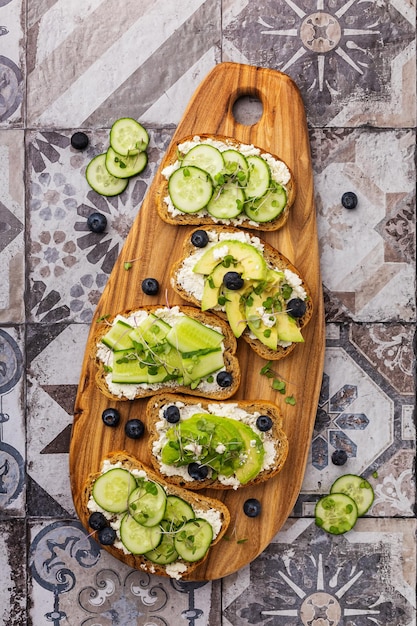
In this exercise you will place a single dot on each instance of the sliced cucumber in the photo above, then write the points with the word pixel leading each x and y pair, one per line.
pixel 112 489
pixel 178 511
pixel 100 180
pixel 358 488
pixel 336 513
pixel 121 166
pixel 259 177
pixel 189 335
pixel 193 539
pixel 117 338
pixel 236 164
pixel 127 368
pixel 165 552
pixel 139 539
pixel 147 503
pixel 151 331
pixel 198 367
pixel 226 201
pixel 128 137
pixel 190 189
pixel 206 157
pixel 268 207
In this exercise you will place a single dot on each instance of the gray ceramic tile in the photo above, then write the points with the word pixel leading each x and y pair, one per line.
pixel 12 63
pixel 13 573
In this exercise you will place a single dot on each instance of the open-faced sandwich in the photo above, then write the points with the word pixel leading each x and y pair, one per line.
pixel 248 282
pixel 155 349
pixel 227 445
pixel 208 179
pixel 155 526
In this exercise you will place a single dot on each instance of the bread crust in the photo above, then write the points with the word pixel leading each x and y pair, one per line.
pixel 229 355
pixel 250 406
pixel 198 220
pixel 197 501
pixel 275 259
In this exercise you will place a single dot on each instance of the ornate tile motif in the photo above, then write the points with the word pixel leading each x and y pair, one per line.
pixel 353 61
pixel 13 572
pixel 306 577
pixel 76 582
pixel 68 264
pixel 11 63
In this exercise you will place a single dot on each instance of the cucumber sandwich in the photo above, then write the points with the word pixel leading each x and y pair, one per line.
pixel 148 523
pixel 155 349
pixel 199 443
pixel 210 179
pixel 249 283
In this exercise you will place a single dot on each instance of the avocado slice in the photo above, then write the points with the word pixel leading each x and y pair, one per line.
pixel 268 335
pixel 251 260
pixel 287 329
pixel 235 309
pixel 255 453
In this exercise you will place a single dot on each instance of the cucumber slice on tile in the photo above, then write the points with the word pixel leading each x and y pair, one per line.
pixel 188 335
pixel 117 338
pixel 193 539
pixel 112 489
pixel 139 539
pixel 190 189
pixel 206 157
pixel 336 513
pixel 268 207
pixel 128 137
pixel 226 201
pixel 358 488
pixel 259 177
pixel 147 503
pixel 100 180
pixel 125 166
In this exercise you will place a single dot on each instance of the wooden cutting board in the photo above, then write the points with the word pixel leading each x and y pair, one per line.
pixel 282 130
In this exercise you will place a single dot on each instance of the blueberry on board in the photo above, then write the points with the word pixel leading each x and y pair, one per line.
pixel 252 507
pixel 97 222
pixel 339 457
pixel 111 417
pixel 224 379
pixel 349 200
pixel 197 471
pixel 150 286
pixel 296 307
pixel 172 414
pixel 97 521
pixel 199 238
pixel 106 536
pixel 79 141
pixel 134 428
pixel 233 280
pixel 264 423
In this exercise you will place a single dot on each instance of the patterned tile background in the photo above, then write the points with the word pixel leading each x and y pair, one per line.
pixel 67 66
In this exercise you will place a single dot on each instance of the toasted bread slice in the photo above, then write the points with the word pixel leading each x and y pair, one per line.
pixel 274 260
pixel 203 507
pixel 127 391
pixel 203 217
pixel 274 440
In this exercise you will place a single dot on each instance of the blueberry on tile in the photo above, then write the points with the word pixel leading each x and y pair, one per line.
pixel 97 222
pixel 349 200
pixel 79 141
pixel 339 457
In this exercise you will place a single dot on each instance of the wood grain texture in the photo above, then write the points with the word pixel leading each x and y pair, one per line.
pixel 282 130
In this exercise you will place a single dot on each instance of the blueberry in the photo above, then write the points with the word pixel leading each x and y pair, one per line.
pixel 172 414
pixel 252 507
pixel 224 379
pixel 97 222
pixel 233 280
pixel 150 286
pixel 134 428
pixel 106 536
pixel 79 141
pixel 197 471
pixel 349 200
pixel 339 457
pixel 264 423
pixel 296 307
pixel 199 238
pixel 111 417
pixel 97 521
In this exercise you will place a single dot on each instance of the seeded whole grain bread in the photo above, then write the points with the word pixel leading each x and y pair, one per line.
pixel 198 219
pixel 280 441
pixel 197 502
pixel 210 319
pixel 274 259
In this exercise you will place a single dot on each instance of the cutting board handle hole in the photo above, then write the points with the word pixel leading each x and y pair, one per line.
pixel 247 110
